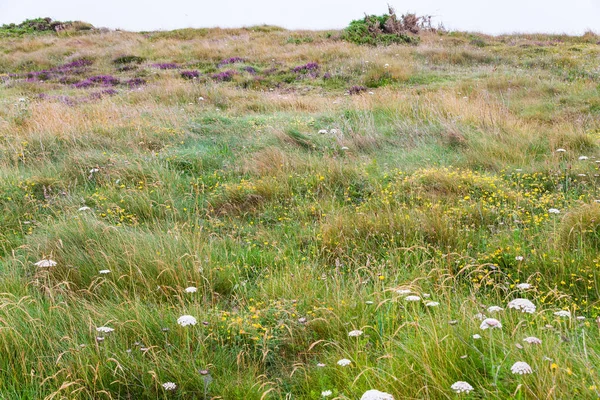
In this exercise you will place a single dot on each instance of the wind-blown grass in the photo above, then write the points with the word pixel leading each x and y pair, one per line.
pixel 463 173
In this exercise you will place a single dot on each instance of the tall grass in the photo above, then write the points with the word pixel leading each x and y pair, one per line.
pixel 282 213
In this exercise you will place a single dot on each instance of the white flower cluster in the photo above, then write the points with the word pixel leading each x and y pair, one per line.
pixel 376 395
pixel 45 263
pixel 461 387
pixel 524 305
pixel 186 320
pixel 521 368
pixel 491 323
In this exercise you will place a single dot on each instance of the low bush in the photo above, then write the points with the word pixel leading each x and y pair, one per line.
pixel 42 25
pixel 386 29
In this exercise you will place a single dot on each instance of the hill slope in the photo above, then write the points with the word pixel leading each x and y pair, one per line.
pixel 305 200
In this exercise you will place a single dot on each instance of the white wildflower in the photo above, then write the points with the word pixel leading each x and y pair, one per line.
pixel 105 329
pixel 563 313
pixel 403 291
pixel 323 131
pixel 524 305
pixel 45 263
pixel 104 271
pixel 519 258
pixel 490 323
pixel 561 150
pixel 461 387
pixel 479 316
pixel 84 208
pixel 320 365
pixel 432 304
pixel 191 289
pixel 326 393
pixel 412 298
pixel 554 211
pixel 521 368
pixel 580 318
pixel 583 158
pixel 355 333
pixel 169 386
pixel 532 340
pixel 476 336
pixel 524 286
pixel 493 309
pixel 186 320
pixel 344 362
pixel 376 395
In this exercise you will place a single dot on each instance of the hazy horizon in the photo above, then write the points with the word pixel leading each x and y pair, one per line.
pixel 467 15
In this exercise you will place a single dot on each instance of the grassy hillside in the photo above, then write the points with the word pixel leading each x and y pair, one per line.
pixel 286 189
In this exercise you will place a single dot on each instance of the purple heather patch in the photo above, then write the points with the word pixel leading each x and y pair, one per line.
pixel 250 70
pixel 127 67
pixel 231 60
pixel 327 75
pixel 356 90
pixel 42 75
pixel 104 80
pixel 80 63
pixel 223 76
pixel 270 71
pixel 190 74
pixel 165 66
pixel 135 82
pixel 105 92
pixel 311 66
pixel 73 67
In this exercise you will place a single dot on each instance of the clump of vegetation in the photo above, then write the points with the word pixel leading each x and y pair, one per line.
pixel 224 76
pixel 189 74
pixel 356 89
pixel 128 59
pixel 581 228
pixel 387 29
pixel 42 25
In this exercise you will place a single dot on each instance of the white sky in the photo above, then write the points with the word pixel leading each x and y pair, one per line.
pixel 489 16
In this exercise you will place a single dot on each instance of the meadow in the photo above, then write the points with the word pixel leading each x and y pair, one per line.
pixel 259 213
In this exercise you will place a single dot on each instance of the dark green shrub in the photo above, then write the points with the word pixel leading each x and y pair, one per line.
pixel 128 59
pixel 42 25
pixel 384 29
pixel 299 39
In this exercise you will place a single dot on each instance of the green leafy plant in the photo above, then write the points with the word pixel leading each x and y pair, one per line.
pixel 386 29
pixel 41 25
